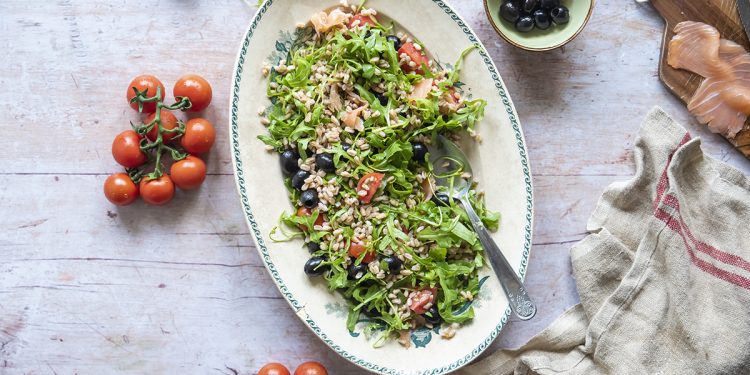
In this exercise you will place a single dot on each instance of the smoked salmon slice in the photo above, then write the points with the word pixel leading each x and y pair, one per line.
pixel 722 101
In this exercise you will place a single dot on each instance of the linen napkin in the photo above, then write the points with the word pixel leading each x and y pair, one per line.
pixel 663 276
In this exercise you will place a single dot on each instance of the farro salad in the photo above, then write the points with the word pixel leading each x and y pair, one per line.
pixel 353 108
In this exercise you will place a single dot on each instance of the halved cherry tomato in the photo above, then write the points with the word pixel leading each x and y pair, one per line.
pixel 188 173
pixel 195 88
pixel 360 20
pixel 199 136
pixel 356 249
pixel 120 189
pixel 304 211
pixel 369 183
pixel 126 149
pixel 168 121
pixel 149 83
pixel 421 300
pixel 274 368
pixel 158 191
pixel 311 368
pixel 417 56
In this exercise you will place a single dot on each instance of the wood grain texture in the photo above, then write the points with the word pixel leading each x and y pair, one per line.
pixel 721 14
pixel 88 288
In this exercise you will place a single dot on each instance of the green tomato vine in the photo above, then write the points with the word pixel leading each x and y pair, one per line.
pixel 154 149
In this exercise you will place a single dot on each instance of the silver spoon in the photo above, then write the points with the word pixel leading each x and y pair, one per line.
pixel 451 170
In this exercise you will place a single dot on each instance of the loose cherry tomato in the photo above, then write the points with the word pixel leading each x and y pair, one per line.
pixel 188 173
pixel 195 88
pixel 274 368
pixel 120 189
pixel 356 249
pixel 304 211
pixel 158 191
pixel 417 56
pixel 149 83
pixel 311 368
pixel 420 301
pixel 360 20
pixel 168 122
pixel 126 149
pixel 199 136
pixel 369 183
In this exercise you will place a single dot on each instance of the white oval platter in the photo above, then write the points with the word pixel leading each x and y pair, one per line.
pixel 500 164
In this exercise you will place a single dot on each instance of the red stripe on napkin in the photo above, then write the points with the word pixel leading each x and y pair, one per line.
pixel 663 183
pixel 728 258
pixel 707 267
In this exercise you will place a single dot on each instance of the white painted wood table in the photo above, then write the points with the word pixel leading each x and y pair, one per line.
pixel 89 288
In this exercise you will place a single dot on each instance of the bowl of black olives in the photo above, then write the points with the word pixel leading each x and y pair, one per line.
pixel 538 25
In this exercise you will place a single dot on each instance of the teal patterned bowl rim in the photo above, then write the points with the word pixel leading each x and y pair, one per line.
pixel 260 242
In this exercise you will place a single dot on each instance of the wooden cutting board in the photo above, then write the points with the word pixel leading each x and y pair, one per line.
pixel 721 14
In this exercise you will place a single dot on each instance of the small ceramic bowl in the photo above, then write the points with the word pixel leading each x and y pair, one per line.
pixel 541 40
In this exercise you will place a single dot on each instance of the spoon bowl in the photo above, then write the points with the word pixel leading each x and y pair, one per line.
pixel 450 167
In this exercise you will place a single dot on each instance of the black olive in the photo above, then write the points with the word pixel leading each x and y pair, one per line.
pixel 395 40
pixel 441 198
pixel 372 312
pixel 289 160
pixel 419 151
pixel 432 316
pixel 541 19
pixel 309 198
pixel 525 24
pixel 315 267
pixel 509 11
pixel 346 146
pixel 313 247
pixel 394 264
pixel 356 271
pixel 528 6
pixel 324 162
pixel 560 15
pixel 549 4
pixel 382 98
pixel 298 179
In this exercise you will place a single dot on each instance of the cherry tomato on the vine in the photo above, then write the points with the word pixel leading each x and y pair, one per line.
pixel 157 191
pixel 168 122
pixel 199 136
pixel 120 189
pixel 145 82
pixel 126 149
pixel 188 173
pixel 195 88
pixel 311 368
pixel 274 368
